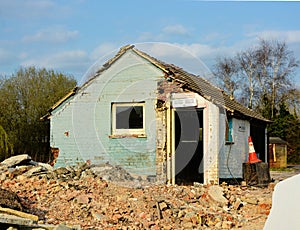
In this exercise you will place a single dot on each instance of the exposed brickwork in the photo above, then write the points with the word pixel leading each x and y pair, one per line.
pixel 161 140
pixel 165 87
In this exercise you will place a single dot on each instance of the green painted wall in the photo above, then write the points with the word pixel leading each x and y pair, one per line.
pixel 81 128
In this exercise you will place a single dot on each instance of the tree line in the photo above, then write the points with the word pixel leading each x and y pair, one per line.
pixel 25 97
pixel 262 79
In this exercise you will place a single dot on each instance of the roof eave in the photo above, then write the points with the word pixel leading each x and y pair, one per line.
pixel 58 103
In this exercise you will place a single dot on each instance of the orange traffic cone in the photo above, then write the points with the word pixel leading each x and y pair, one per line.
pixel 252 154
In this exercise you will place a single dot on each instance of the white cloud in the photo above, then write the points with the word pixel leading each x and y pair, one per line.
pixel 23 55
pixel 103 50
pixel 289 36
pixel 175 30
pixel 208 52
pixel 146 36
pixel 26 9
pixel 212 45
pixel 6 57
pixel 162 49
pixel 98 57
pixel 74 62
pixel 67 60
pixel 183 50
pixel 196 58
pixel 199 50
pixel 165 34
pixel 181 55
pixel 56 34
pixel 70 57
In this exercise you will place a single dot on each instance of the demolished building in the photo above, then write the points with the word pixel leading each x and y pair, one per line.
pixel 155 120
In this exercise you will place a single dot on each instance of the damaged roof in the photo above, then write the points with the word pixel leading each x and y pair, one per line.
pixel 187 80
pixel 202 87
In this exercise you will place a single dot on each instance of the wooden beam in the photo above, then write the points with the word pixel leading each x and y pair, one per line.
pixel 19 213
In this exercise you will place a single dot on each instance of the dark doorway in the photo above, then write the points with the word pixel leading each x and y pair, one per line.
pixel 188 145
pixel 257 132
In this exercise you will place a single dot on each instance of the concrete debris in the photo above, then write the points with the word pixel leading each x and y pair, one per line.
pixel 15 160
pixel 216 194
pixel 250 200
pixel 15 220
pixel 111 173
pixel 95 197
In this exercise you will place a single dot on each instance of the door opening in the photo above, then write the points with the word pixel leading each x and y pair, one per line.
pixel 188 145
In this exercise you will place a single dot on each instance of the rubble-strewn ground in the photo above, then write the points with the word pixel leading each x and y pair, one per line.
pixel 81 198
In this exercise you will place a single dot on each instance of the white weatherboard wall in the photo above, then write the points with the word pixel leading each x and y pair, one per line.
pixel 87 118
pixel 233 155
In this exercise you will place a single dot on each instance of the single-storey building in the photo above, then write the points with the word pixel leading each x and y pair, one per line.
pixel 277 152
pixel 155 120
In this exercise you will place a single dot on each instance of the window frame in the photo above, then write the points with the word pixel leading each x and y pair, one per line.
pixel 126 132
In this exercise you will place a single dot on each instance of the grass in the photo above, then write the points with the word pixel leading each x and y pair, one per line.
pixel 282 169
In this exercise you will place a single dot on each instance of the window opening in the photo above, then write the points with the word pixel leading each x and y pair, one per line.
pixel 128 118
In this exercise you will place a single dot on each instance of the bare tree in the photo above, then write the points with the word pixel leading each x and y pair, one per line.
pixel 248 67
pixel 281 66
pixel 263 73
pixel 262 55
pixel 275 67
pixel 226 71
pixel 292 100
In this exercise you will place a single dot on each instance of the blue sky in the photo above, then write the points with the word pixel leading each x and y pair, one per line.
pixel 70 36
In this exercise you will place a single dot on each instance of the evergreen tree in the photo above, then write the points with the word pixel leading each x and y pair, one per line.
pixel 287 127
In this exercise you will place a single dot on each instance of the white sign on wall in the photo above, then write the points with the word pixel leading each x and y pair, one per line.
pixel 184 102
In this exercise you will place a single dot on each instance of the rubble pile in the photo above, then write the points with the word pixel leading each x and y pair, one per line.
pixel 79 198
pixel 9 199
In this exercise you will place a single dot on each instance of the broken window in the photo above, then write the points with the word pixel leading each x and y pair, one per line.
pixel 128 118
